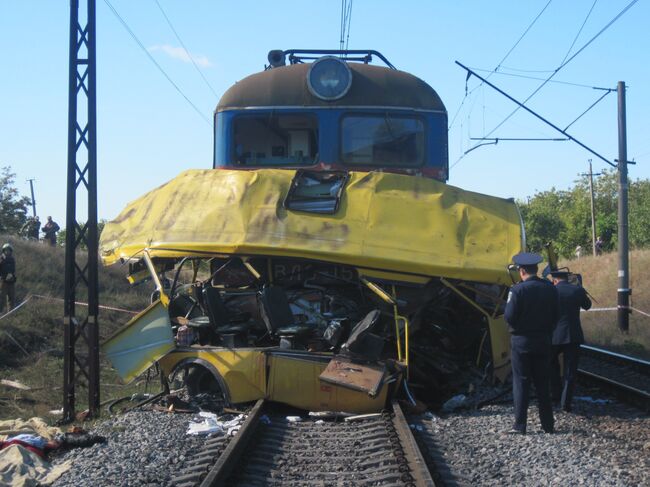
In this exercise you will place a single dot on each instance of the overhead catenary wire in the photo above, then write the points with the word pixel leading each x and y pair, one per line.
pixel 557 70
pixel 151 58
pixel 575 39
pixel 530 26
pixel 564 63
pixel 346 20
pixel 191 58
pixel 523 76
pixel 347 38
pixel 590 107
pixel 521 37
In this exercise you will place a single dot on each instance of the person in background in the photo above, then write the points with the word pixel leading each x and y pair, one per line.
pixel 531 313
pixel 578 251
pixel 599 246
pixel 50 229
pixel 567 337
pixel 27 230
pixel 7 277
pixel 35 229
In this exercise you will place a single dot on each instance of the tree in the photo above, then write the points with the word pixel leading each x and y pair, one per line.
pixel 13 207
pixel 564 217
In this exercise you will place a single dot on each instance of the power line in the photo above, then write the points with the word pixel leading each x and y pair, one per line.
pixel 525 70
pixel 347 40
pixel 346 20
pixel 575 39
pixel 579 85
pixel 567 61
pixel 151 58
pixel 500 62
pixel 185 49
pixel 522 105
pixel 522 35
pixel 592 105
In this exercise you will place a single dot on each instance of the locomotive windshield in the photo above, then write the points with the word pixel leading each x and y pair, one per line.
pixel 382 140
pixel 270 139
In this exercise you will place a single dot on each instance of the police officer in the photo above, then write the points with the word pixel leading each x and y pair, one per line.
pixel 567 336
pixel 50 229
pixel 7 277
pixel 531 313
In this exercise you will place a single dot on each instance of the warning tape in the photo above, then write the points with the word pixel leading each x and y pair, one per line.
pixel 52 298
pixel 631 308
pixel 16 308
pixel 80 303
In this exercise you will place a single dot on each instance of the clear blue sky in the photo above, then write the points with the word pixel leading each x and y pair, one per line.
pixel 148 133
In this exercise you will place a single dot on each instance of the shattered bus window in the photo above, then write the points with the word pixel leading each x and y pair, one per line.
pixel 316 192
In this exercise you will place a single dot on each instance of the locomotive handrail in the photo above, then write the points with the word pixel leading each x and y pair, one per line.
pixel 295 55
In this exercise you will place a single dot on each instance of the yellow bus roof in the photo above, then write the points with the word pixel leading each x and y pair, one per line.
pixel 385 222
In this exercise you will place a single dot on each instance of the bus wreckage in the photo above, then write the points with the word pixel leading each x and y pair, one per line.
pixel 322 285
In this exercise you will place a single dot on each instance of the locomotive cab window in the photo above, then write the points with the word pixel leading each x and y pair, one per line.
pixel 383 140
pixel 275 140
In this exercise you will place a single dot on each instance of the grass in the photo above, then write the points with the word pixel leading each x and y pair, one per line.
pixel 31 339
pixel 599 276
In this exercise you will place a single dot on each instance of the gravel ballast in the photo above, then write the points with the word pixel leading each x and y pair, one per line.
pixel 598 444
pixel 143 448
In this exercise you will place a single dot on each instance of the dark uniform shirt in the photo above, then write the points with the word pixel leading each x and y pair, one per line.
pixel 572 298
pixel 531 314
pixel 7 267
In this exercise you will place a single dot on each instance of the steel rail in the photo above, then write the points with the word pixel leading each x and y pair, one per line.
pixel 632 362
pixel 417 464
pixel 407 448
pixel 625 392
pixel 233 452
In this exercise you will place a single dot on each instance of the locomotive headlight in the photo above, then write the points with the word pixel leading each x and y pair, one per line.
pixel 329 78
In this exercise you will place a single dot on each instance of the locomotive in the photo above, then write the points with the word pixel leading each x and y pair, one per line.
pixel 323 261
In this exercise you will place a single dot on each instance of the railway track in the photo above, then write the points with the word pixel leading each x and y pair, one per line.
pixel 628 378
pixel 269 449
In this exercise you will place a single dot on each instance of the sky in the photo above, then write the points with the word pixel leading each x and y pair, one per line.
pixel 148 132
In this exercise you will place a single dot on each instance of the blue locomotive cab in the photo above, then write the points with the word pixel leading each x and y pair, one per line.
pixel 336 113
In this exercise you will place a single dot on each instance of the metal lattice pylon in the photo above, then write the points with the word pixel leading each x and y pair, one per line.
pixel 81 337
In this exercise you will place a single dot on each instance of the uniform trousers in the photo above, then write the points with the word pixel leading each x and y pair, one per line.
pixel 527 368
pixel 7 291
pixel 563 384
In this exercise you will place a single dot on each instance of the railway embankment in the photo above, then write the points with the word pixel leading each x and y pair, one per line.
pixel 600 279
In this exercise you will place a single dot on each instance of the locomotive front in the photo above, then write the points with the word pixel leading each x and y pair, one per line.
pixel 323 262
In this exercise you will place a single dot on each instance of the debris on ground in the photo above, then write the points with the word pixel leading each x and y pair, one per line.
pixel 15 385
pixel 210 424
pixel 456 402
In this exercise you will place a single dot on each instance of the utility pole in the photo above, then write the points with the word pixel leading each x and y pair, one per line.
pixel 31 187
pixel 593 208
pixel 624 290
pixel 81 328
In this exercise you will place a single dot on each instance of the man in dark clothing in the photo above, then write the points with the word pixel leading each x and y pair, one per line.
pixel 35 228
pixel 50 229
pixel 531 313
pixel 567 337
pixel 7 278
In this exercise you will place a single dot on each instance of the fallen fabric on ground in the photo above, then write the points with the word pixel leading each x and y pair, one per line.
pixel 35 426
pixel 20 467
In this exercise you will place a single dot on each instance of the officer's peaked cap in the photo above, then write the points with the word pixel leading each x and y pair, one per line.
pixel 526 258
pixel 560 274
